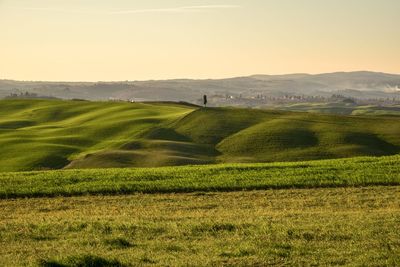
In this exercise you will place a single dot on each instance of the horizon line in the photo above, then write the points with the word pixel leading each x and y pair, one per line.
pixel 199 79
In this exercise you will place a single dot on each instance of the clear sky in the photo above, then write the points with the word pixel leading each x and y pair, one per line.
pixel 95 40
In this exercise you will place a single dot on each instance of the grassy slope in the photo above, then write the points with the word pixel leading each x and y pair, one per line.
pixel 318 227
pixel 43 134
pixel 232 177
pixel 241 135
pixel 37 134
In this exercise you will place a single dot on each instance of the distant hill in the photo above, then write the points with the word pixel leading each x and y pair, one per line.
pixel 341 108
pixel 53 134
pixel 353 84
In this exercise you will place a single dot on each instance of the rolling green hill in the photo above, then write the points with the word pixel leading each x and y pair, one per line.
pixel 54 134
pixel 49 134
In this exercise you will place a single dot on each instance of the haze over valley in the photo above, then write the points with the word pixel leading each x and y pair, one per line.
pixel 256 90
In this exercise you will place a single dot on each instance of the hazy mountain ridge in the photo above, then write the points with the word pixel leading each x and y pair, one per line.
pixel 360 84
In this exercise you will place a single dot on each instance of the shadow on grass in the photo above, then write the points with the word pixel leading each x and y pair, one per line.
pixel 82 261
pixel 118 243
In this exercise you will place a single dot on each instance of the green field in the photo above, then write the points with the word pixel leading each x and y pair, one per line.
pixel 228 177
pixel 294 227
pixel 55 134
pixel 98 184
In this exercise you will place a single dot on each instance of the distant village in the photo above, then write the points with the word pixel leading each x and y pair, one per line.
pixel 264 100
pixel 28 95
pixel 248 100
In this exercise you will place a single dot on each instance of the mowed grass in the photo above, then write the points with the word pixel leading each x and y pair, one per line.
pixel 353 172
pixel 291 227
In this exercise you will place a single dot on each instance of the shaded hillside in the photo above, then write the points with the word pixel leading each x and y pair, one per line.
pixel 242 135
pixel 51 134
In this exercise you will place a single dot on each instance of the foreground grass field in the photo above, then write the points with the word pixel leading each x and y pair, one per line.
pixel 295 227
pixel 55 134
pixel 353 172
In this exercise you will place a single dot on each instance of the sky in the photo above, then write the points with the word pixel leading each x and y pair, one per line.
pixel 99 40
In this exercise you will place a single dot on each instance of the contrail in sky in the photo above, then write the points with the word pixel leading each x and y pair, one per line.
pixel 181 9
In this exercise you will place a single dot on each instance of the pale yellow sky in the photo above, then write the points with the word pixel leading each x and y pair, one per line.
pixel 91 40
